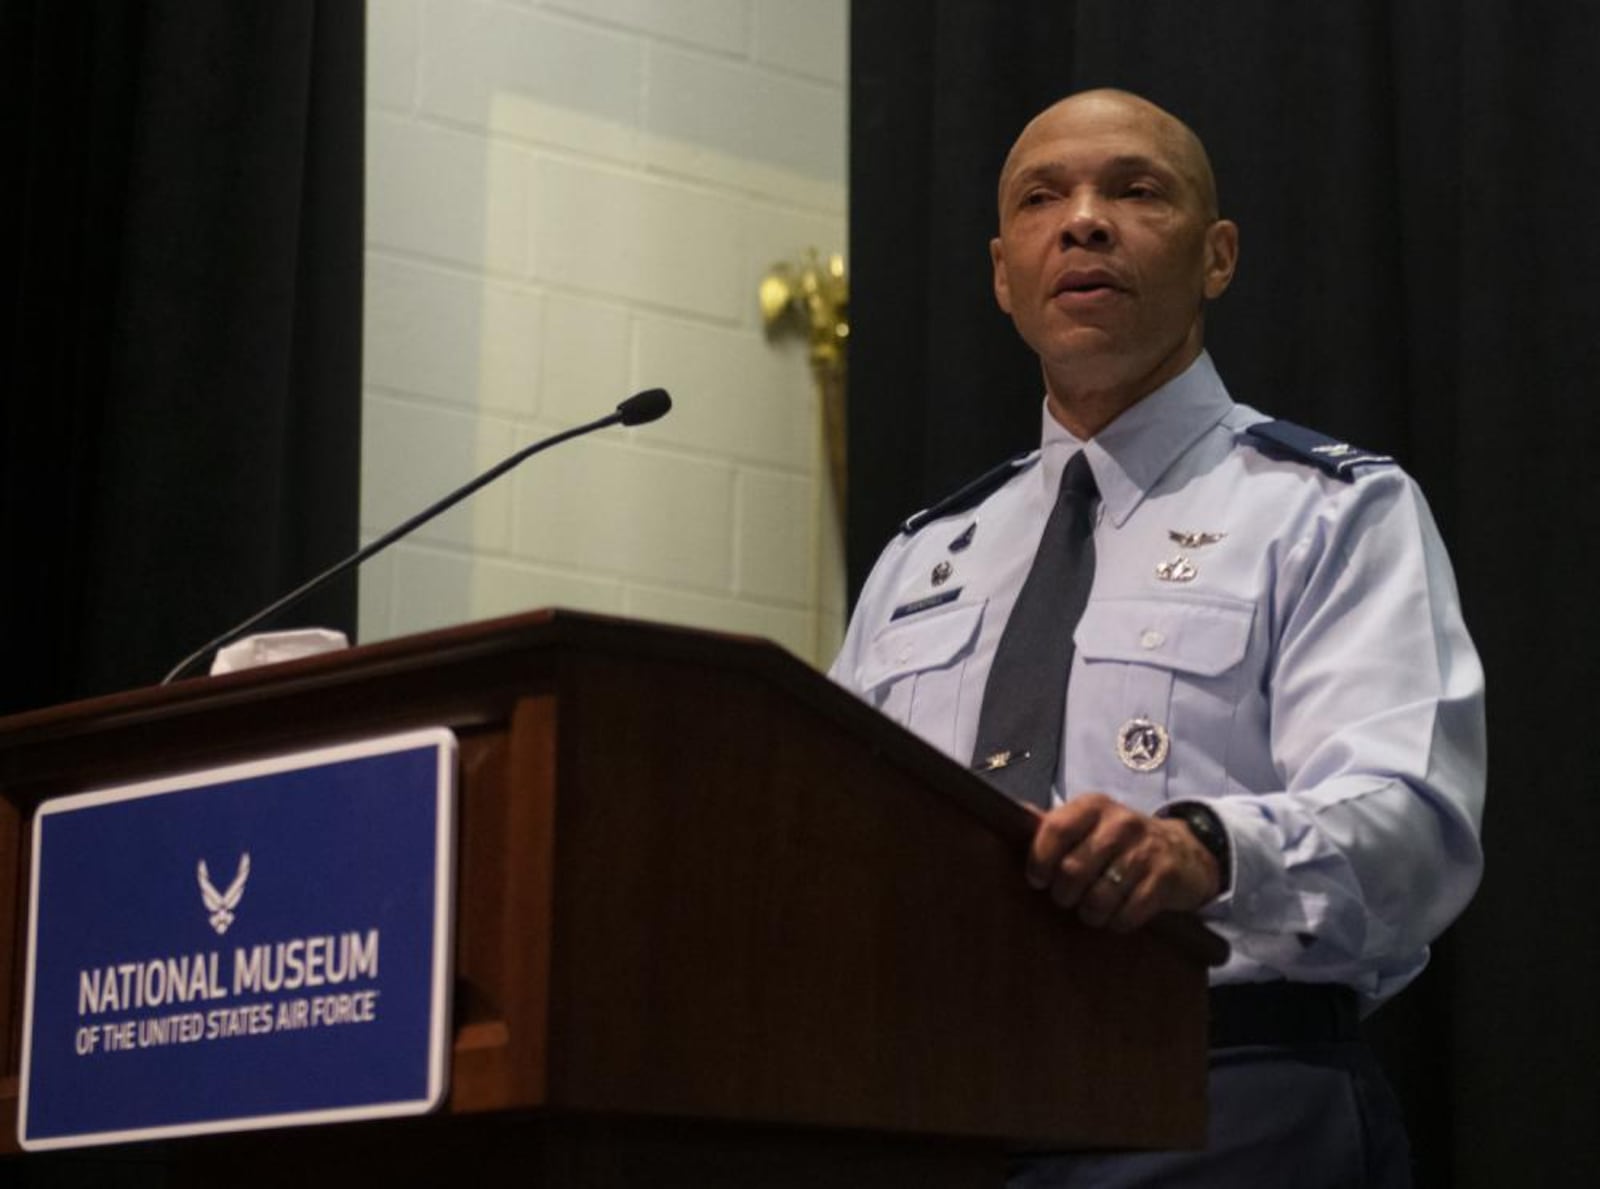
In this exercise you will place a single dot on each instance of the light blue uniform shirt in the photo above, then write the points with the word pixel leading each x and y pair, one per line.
pixel 1310 670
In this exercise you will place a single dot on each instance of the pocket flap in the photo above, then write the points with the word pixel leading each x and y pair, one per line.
pixel 928 641
pixel 1203 638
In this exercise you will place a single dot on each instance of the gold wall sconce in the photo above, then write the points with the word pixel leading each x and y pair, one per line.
pixel 812 297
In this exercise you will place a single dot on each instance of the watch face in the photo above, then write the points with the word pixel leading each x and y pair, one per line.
pixel 1207 828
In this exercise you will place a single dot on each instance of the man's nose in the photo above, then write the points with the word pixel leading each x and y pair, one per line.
pixel 1086 222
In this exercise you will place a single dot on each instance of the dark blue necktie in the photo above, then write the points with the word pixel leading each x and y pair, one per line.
pixel 1024 702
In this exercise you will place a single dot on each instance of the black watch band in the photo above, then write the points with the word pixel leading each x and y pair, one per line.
pixel 1208 831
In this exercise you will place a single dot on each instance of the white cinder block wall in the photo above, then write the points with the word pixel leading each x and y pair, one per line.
pixel 569 201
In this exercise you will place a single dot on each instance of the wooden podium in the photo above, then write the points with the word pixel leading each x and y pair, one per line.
pixel 718 922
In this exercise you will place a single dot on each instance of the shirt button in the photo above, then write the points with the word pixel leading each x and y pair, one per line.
pixel 1152 639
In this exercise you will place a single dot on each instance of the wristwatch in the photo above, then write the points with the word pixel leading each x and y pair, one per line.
pixel 1208 831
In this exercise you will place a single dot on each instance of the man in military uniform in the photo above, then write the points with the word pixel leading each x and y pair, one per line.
pixel 1272 712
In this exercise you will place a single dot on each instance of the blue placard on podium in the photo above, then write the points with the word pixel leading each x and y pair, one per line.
pixel 259 945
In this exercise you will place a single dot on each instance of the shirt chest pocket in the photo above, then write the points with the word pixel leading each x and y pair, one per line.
pixel 1175 664
pixel 913 669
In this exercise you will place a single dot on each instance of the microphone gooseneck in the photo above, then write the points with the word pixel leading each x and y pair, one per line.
pixel 644 407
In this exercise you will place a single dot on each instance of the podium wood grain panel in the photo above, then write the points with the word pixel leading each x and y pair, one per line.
pixel 792 930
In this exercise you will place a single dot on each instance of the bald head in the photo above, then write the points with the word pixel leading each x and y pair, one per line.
pixel 1109 249
pixel 1110 109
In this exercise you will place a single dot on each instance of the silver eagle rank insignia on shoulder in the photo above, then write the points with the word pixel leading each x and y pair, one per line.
pixel 1285 439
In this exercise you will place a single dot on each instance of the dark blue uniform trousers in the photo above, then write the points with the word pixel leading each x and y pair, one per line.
pixel 1299 1116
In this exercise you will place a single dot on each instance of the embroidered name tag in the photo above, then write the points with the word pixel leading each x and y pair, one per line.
pixel 927 604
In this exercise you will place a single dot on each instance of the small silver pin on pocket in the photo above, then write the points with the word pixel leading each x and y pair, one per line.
pixel 1142 745
pixel 1179 569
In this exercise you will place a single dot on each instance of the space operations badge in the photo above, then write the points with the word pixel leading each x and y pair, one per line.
pixel 257 945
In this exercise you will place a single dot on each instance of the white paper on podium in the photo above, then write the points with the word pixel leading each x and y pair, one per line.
pixel 269 648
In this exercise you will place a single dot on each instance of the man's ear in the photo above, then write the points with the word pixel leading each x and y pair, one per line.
pixel 1222 257
pixel 1002 286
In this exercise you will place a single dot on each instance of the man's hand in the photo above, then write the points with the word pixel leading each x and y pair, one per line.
pixel 1119 868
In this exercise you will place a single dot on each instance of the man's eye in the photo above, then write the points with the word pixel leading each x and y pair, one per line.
pixel 1036 197
pixel 1139 190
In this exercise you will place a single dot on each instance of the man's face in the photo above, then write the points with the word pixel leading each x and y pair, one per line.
pixel 1109 245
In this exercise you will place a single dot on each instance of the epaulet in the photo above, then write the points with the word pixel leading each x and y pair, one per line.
pixel 1339 459
pixel 972 494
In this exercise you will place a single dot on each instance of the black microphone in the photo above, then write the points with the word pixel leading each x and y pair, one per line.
pixel 639 409
pixel 645 407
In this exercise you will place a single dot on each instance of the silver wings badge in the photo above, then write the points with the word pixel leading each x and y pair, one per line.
pixel 1194 540
pixel 221 905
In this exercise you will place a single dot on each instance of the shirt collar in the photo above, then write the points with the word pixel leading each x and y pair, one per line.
pixel 1131 454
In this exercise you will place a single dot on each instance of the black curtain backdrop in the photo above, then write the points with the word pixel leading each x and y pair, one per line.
pixel 1416 186
pixel 181 254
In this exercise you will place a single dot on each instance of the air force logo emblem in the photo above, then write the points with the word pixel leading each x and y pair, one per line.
pixel 221 905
